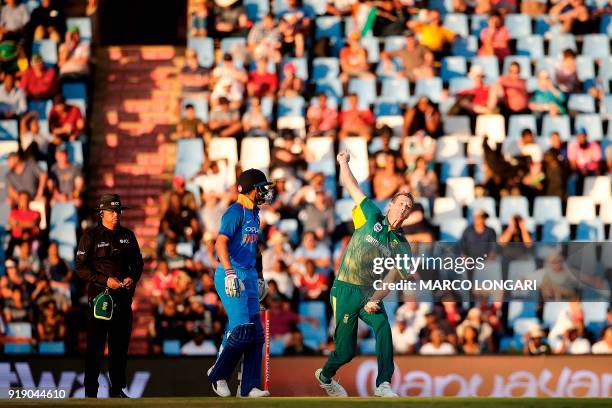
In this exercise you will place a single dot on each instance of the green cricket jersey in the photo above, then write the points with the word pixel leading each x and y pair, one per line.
pixel 372 239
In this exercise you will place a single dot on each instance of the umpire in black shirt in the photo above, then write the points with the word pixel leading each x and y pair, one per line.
pixel 109 259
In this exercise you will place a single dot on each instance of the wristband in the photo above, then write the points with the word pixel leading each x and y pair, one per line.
pixel 230 271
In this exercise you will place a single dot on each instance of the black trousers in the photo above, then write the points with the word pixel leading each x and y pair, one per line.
pixel 118 331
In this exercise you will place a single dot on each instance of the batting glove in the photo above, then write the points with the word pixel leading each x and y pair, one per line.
pixel 262 289
pixel 233 285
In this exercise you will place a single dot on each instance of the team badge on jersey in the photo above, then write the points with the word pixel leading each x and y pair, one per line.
pixel 378 227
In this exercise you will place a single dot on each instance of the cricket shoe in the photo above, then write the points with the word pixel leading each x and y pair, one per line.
pixel 333 389
pixel 220 387
pixel 384 390
pixel 257 393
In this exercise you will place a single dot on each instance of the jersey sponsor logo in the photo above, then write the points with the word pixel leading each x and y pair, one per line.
pixel 103 244
pixel 124 241
pixel 377 227
pixel 381 247
pixel 80 253
pixel 345 318
pixel 250 234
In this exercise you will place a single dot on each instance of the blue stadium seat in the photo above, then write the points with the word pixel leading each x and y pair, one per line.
pixel 289 226
pixel 585 67
pixel 541 24
pixel 456 85
pixel 547 64
pixel 372 46
pixel 477 23
pixel 394 42
pixel 74 90
pixel 256 9
pixel 518 25
pixel 485 203
pixel 457 23
pixel 522 325
pixel 552 310
pixel 560 42
pixel 228 44
pixel 555 231
pixel 592 123
pixel 432 88
pixel 171 347
pixel 189 157
pixel 205 48
pixel 47 49
pixel 596 45
pixel 51 347
pixel 547 208
pixel 19 329
pixel 451 230
pixel 453 67
pixel 313 336
pixel 521 309
pixel 531 46
pixel 605 69
pixel 9 129
pixel 523 62
pixel 83 24
pixel 517 123
pixel 590 231
pixel 200 106
pixel 456 167
pixel 63 224
pixel 513 205
pixel 443 6
pixel 489 64
pixel 277 347
pixel 605 26
pixel 332 88
pixel 328 26
pixel 385 107
pixel 395 90
pixel 581 103
pixel 364 88
pixel 17 348
pixel 559 123
pixel 291 106
pixel 325 68
pixel 367 347
pixel 465 47
pixel 75 153
pixel 457 125
pixel 510 344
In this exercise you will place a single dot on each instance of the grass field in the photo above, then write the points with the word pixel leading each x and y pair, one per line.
pixel 320 402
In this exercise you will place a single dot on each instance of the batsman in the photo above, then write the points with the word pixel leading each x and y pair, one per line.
pixel 240 285
pixel 352 295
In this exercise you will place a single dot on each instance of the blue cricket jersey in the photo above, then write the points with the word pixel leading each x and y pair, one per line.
pixel 240 224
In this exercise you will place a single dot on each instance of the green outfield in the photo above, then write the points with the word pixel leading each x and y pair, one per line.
pixel 320 402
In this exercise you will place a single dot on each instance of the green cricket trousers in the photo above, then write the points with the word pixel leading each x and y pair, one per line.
pixel 347 302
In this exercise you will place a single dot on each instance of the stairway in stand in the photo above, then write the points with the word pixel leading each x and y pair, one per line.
pixel 136 100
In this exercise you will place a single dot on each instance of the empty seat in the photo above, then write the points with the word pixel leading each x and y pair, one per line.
pixel 444 209
pixel 313 335
pixel 343 209
pixel 394 42
pixel 531 46
pixel 596 45
pixel 83 24
pixel 457 125
pixel 224 148
pixel 581 103
pixel 546 208
pixel 9 129
pixel 457 23
pixel 255 153
pixel 51 347
pixel 291 106
pixel 385 107
pixel 323 156
pixel 598 188
pixel 487 204
pixel 328 26
pixel 74 90
pixel 325 68
pixel 358 149
pixel 546 64
pixel 189 157
pixel 332 87
pixel 559 123
pixel 318 6
pixel 592 123
pixel 477 23
pixel 605 211
pixel 454 167
pixel 579 209
pixel 522 325
pixel 289 227
pixel 205 48
pixel 492 126
pixel 431 88
pixel 232 44
pixel 451 230
pixel 522 269
pixel 585 67
pixel 63 224
pixel 561 42
pixel 520 309
pixel 200 106
pixel 171 347
pixel 372 46
pixel 448 147
pixel 458 84
pixel 510 206
pixel 461 189
pixel 518 123
pixel 453 67
pixel 396 123
pixel 364 88
pixel 465 46
pixel 542 24
pixel 590 230
pixel 555 231
pixel 552 310
pixel 489 64
pixel 395 90
pixel 47 49
pixel 518 25
pixel 256 9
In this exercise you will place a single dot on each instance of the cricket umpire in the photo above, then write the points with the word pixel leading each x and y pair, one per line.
pixel 109 260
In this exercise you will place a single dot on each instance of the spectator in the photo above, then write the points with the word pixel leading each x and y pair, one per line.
pixel 298 21
pixel 198 345
pixel 289 150
pixel 230 18
pixel 55 268
pixel 264 39
pixel 190 126
pixel 554 178
pixel 73 56
pixel 475 101
pixel 195 79
pixel 168 325
pixel 469 343
pixel 427 69
pixel 385 133
pixel 35 144
pixel 254 122
pixel 354 59
pixel 510 92
pixel 261 81
pixel 558 281
pixel 534 344
pixel 319 216
pixel 314 250
pixel 180 223
pixel 65 121
pixel 604 346
pixel 388 68
pixel 340 7
pixel 356 121
pixel 423 116
pixel 13 19
pixel 28 263
pixel 291 84
pixel 14 293
pixel 472 6
pixel 38 82
pixel 47 21
pixel 423 180
pixel 66 180
pixel 296 346
pixel 12 99
pixel 417 228
pixel 386 180
pixel 229 89
pixel 283 320
pixel 573 341
pixel 524 147
pixel 566 72
pixel 24 176
pixel 278 250
pixel 412 55
pixel 214 182
pixel 51 326
pixel 404 337
pixel 205 259
pixel 572 16
pixel 533 182
pixel 547 98
pixel 186 197
pixel 163 279
pixel 322 118
pixel 224 120
pixel 568 319
pixel 418 145
pixel 433 34
pixel 478 239
pixel 437 345
pixel 584 156
pixel 279 274
pixel 23 223
pixel 475 320
pixel 495 38
pixel 313 285
pixel 228 69
pixel 199 20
